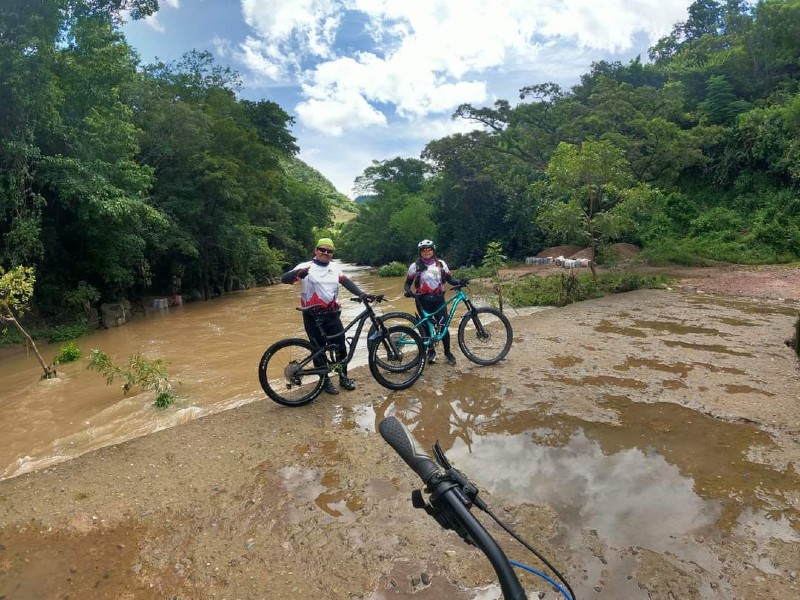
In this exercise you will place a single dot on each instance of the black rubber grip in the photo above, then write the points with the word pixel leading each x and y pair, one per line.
pixel 399 437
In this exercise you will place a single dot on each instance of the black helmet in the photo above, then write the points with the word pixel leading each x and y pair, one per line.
pixel 426 244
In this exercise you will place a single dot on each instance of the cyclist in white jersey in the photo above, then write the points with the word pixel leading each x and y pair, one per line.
pixel 319 287
pixel 429 274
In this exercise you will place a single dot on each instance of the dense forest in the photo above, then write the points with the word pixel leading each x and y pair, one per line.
pixel 692 155
pixel 119 179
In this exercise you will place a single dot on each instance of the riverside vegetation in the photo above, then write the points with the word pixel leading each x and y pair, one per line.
pixel 689 153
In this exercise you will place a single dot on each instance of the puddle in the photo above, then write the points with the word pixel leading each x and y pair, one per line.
pixel 681 369
pixel 748 308
pixel 745 389
pixel 607 327
pixel 600 380
pixel 676 328
pixel 716 348
pixel 657 477
pixel 637 327
pixel 564 362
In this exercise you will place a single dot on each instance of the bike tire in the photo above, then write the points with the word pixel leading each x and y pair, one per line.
pixel 279 375
pixel 485 335
pixel 397 360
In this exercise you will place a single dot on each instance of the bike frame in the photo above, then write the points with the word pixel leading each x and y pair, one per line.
pixel 427 318
pixel 361 319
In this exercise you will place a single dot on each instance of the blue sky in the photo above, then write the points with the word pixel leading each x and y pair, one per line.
pixel 373 79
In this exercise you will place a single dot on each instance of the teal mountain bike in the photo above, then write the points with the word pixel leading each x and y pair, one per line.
pixel 484 333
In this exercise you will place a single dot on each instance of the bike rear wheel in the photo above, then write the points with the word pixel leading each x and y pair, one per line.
pixel 396 360
pixel 287 373
pixel 485 335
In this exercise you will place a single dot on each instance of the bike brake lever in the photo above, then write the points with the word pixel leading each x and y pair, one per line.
pixel 468 489
pixel 438 454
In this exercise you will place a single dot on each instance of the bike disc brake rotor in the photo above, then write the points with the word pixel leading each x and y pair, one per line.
pixel 290 373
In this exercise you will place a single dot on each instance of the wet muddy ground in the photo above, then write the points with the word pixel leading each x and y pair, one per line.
pixel 647 444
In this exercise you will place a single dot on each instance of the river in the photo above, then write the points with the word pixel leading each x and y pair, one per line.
pixel 212 350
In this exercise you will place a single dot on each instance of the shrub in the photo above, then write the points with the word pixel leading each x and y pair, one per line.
pixel 393 269
pixel 67 353
pixel 560 290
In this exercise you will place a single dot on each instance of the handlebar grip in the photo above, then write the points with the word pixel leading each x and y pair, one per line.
pixel 399 437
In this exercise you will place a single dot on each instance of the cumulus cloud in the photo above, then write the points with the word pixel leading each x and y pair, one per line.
pixel 153 22
pixel 427 57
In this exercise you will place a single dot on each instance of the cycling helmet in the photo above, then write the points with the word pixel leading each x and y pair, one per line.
pixel 426 244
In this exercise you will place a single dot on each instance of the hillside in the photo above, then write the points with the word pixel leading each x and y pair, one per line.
pixel 301 171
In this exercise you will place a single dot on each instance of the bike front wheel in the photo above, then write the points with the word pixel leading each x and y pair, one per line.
pixel 287 373
pixel 485 335
pixel 397 359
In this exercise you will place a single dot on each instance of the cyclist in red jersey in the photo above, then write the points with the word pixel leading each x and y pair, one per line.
pixel 319 287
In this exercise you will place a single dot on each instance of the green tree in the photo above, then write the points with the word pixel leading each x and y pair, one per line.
pixel 587 183
pixel 16 291
pixel 721 105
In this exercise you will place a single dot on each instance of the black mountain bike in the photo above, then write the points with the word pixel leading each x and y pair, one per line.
pixel 289 376
pixel 452 496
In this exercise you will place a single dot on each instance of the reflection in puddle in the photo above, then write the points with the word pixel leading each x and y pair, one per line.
pixel 305 486
pixel 656 477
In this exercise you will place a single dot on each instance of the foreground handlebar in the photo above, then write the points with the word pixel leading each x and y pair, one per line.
pixel 399 437
pixel 449 504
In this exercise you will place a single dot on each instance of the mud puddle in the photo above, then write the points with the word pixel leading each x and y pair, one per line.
pixel 657 478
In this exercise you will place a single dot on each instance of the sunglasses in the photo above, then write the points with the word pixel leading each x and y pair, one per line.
pixel 426 248
pixel 325 251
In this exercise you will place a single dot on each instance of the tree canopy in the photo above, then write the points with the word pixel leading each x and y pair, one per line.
pixel 119 179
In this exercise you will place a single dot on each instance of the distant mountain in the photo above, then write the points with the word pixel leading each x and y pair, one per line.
pixel 299 170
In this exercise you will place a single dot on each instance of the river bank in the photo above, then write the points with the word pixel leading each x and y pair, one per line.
pixel 647 443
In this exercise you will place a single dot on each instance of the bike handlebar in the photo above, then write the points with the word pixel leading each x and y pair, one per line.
pixel 449 504
pixel 399 437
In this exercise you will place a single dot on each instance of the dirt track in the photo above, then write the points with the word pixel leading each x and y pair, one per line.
pixel 267 502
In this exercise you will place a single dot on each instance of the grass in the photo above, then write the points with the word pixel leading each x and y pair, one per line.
pixel 563 289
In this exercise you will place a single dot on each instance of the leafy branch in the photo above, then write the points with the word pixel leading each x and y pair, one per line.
pixel 147 374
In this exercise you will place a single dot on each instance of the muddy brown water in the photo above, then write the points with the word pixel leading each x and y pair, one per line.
pixel 212 349
pixel 646 443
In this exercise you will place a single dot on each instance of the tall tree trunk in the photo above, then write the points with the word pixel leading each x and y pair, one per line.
pixel 49 372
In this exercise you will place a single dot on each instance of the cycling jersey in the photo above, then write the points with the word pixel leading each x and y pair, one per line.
pixel 431 280
pixel 321 286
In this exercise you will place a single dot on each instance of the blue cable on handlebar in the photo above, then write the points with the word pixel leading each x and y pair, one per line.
pixel 544 576
pixel 451 497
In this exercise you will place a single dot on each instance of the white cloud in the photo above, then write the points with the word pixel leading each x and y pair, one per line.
pixel 429 57
pixel 176 4
pixel 336 112
pixel 153 23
